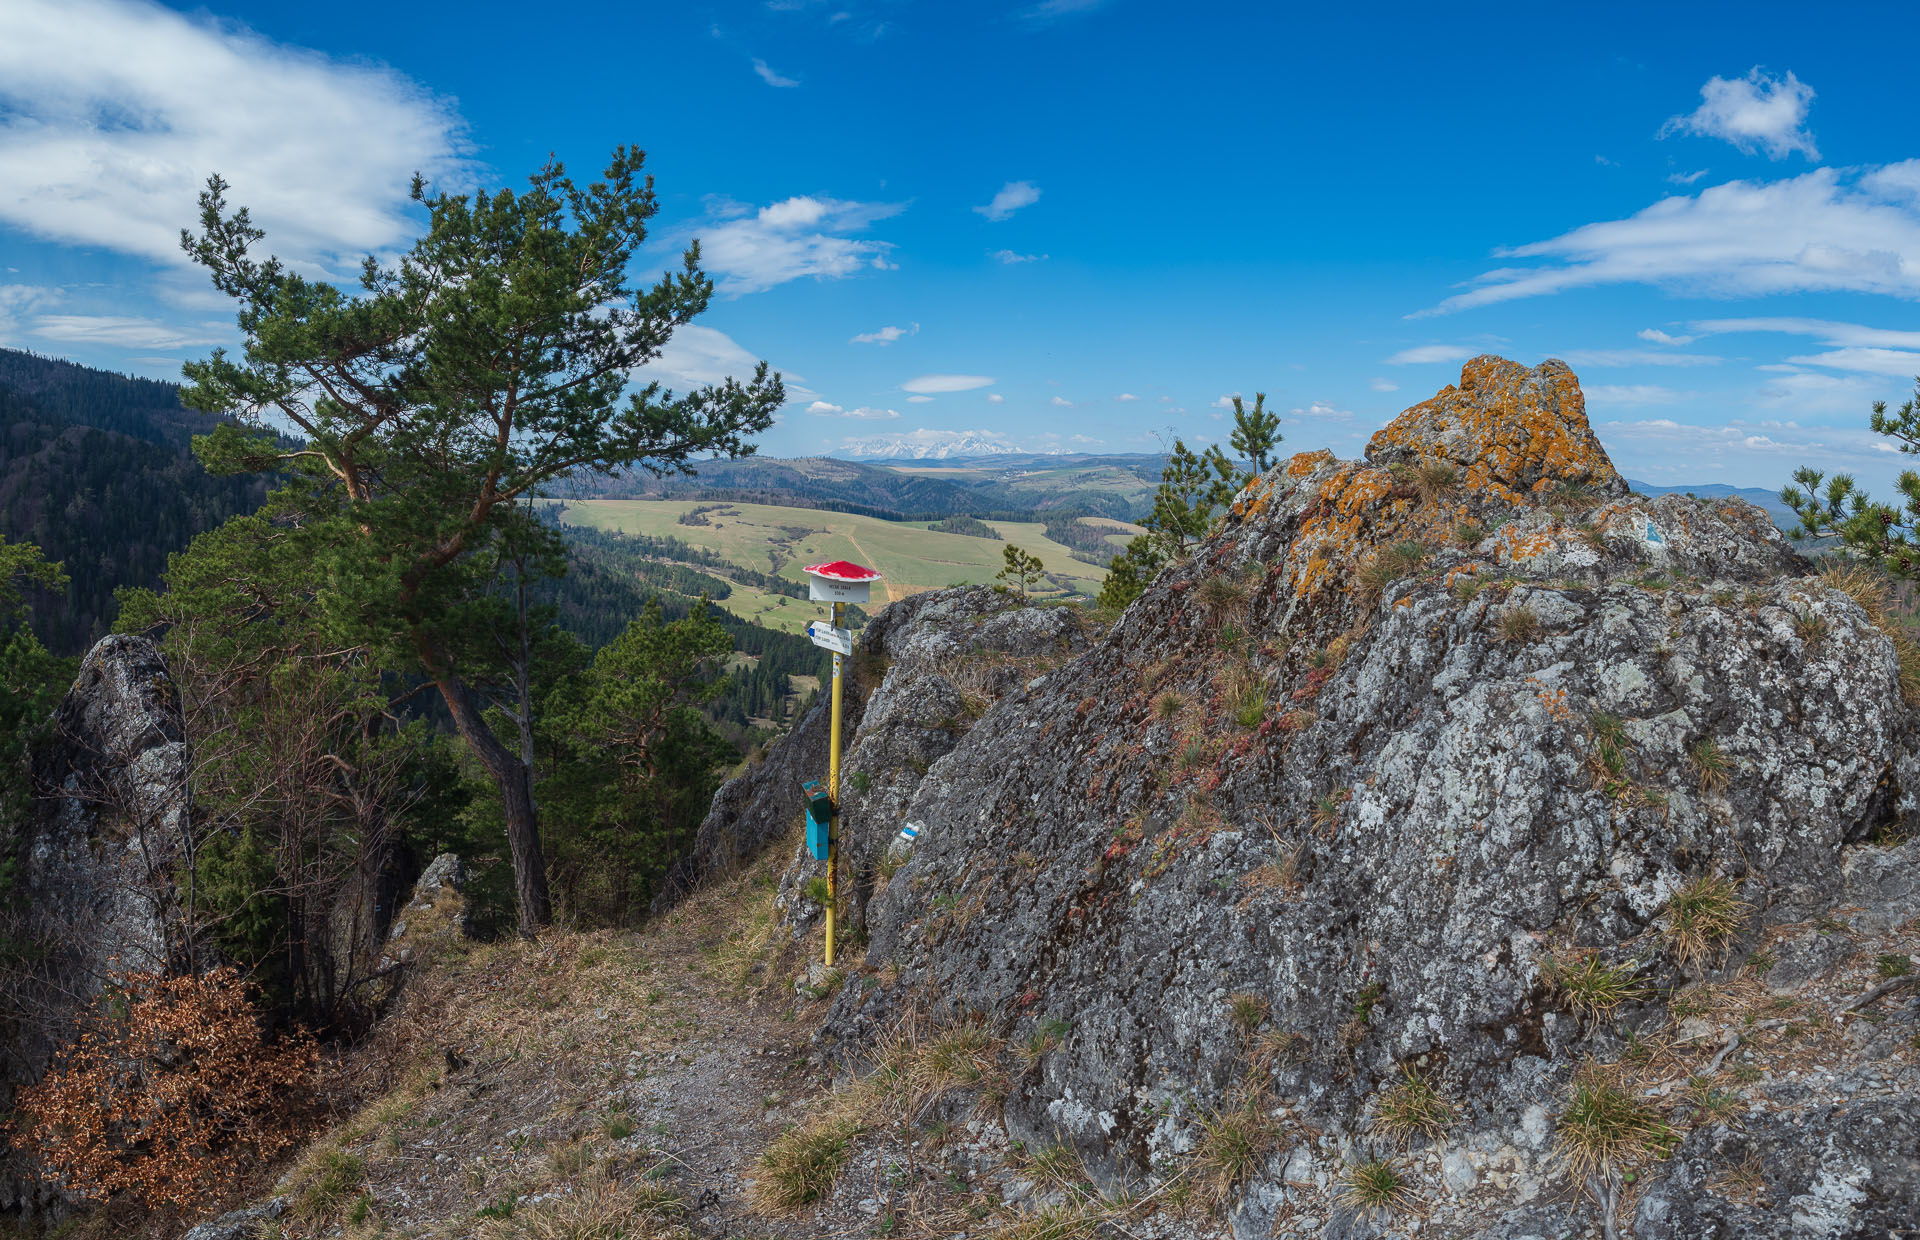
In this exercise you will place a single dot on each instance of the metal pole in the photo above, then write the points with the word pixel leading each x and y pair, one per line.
pixel 833 789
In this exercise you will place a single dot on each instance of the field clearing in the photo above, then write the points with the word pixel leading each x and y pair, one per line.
pixel 777 539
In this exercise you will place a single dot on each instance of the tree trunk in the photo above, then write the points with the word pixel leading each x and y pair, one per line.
pixel 535 905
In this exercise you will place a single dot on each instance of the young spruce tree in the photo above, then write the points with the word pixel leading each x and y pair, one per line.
pixel 494 358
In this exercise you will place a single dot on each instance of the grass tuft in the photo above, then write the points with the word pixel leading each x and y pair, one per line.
pixel 1469 534
pixel 1712 763
pixel 1234 1141
pixel 1412 1108
pixel 1519 623
pixel 1376 1186
pixel 1702 918
pixel 1604 1127
pixel 1592 988
pixel 1249 1012
pixel 799 1168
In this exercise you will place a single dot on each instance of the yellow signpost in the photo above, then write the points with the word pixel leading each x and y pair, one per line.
pixel 838 583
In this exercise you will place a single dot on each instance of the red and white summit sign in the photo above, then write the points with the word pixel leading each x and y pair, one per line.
pixel 840 582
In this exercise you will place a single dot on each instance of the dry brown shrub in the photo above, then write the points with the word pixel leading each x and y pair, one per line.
pixel 170 1094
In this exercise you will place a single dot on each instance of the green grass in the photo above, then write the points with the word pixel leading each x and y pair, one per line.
pixel 772 538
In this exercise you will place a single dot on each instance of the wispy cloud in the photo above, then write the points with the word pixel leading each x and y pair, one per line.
pixel 822 409
pixel 1900 363
pixel 1053 10
pixel 17 299
pixel 1060 402
pixel 696 356
pixel 1224 401
pixel 119 330
pixel 886 335
pixel 751 251
pixel 113 112
pixel 1126 396
pixel 919 399
pixel 1755 113
pixel 1637 357
pixel 1824 330
pixel 1323 409
pixel 946 383
pixel 1605 394
pixel 1427 354
pixel 1383 385
pixel 769 76
pixel 995 398
pixel 1656 336
pixel 1012 196
pixel 1009 256
pixel 1825 230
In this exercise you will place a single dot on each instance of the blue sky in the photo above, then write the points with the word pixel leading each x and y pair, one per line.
pixel 1066 224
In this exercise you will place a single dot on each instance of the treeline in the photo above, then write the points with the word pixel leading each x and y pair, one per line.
pixel 96 471
pixel 637 549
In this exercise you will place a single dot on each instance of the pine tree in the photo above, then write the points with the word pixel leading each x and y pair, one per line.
pixel 1193 487
pixel 1886 535
pixel 1256 432
pixel 486 364
pixel 1019 572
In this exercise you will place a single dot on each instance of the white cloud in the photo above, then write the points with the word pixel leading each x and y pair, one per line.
pixel 770 77
pixel 1806 393
pixel 1656 336
pixel 17 298
pixel 946 383
pixel 114 112
pixel 1009 256
pixel 1637 357
pixel 696 356
pixel 1897 362
pixel 1060 402
pixel 1012 196
pixel 1383 385
pixel 1224 402
pixel 1321 409
pixel 994 398
pixel 919 400
pixel 1686 178
pixel 123 331
pixel 886 335
pixel 1755 113
pixel 1824 330
pixel 1428 353
pixel 1824 230
pixel 821 408
pixel 1053 10
pixel 791 239
pixel 1126 396
pixel 1605 394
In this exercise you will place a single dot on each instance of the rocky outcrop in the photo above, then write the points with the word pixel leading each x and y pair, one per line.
pixel 97 859
pixel 1346 795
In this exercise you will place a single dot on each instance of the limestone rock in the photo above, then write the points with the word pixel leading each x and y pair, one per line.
pixel 1512 431
pixel 1371 755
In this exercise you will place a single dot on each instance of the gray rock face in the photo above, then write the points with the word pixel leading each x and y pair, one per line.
pixel 1372 758
pixel 97 860
pixel 242 1224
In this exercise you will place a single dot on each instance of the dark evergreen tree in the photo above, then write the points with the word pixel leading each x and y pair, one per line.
pixel 1256 432
pixel 486 364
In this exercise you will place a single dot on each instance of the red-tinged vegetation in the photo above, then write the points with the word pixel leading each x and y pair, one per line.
pixel 170 1095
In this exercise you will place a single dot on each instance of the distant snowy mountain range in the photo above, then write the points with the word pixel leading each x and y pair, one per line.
pixel 930 445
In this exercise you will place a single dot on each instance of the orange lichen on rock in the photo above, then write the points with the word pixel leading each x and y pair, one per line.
pixel 1513 432
pixel 1301 464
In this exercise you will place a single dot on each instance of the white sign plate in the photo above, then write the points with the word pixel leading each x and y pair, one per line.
pixel 825 636
pixel 827 590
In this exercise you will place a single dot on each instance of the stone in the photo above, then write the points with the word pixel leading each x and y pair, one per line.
pixel 1422 814
pixel 242 1224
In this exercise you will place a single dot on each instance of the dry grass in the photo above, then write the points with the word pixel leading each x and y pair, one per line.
pixel 1519 623
pixel 1592 988
pixel 1702 918
pixel 1377 1187
pixel 1234 1141
pixel 602 1206
pixel 1712 763
pixel 1412 1108
pixel 1871 590
pixel 1605 1127
pixel 1220 596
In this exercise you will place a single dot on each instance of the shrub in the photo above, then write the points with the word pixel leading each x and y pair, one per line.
pixel 170 1093
pixel 1702 916
pixel 1412 1108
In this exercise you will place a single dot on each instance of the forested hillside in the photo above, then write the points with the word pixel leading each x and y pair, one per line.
pixel 96 469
